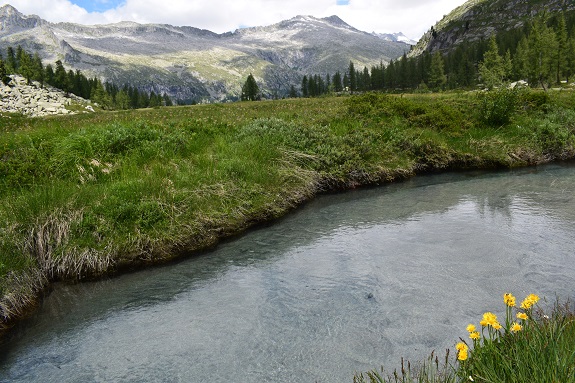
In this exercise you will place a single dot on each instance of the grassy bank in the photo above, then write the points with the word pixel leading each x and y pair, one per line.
pixel 90 195
pixel 529 345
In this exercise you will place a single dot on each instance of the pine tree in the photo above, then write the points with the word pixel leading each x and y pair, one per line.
pixel 542 44
pixel 122 100
pixel 4 79
pixel 352 77
pixel 100 96
pixel 390 75
pixel 366 79
pixel 520 60
pixel 345 82
pixel 11 63
pixel 492 69
pixel 337 82
pixel 60 76
pixel 49 74
pixel 570 60
pixel 562 48
pixel 292 92
pixel 25 65
pixel 37 69
pixel 250 90
pixel 167 100
pixel 304 87
pixel 437 78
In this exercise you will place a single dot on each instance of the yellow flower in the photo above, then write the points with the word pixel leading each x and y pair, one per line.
pixel 474 335
pixel 461 346
pixel 488 319
pixel 496 326
pixel 529 301
pixel 509 299
pixel 522 316
pixel 462 355
pixel 515 327
pixel 470 328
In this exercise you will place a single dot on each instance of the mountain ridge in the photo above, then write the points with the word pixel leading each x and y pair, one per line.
pixel 478 19
pixel 192 64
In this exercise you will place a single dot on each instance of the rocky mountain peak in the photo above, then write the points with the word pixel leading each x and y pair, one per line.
pixel 335 20
pixel 11 18
pixel 193 65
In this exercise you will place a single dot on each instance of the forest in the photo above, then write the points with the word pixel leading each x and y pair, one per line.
pixel 107 95
pixel 541 53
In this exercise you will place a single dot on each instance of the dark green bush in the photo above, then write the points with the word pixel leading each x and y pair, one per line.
pixel 534 99
pixel 496 107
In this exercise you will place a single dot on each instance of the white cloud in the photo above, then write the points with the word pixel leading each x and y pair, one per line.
pixel 412 17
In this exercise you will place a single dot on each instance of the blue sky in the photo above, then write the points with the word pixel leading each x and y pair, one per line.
pixel 97 5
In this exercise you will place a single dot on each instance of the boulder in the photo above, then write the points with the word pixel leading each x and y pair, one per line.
pixel 34 100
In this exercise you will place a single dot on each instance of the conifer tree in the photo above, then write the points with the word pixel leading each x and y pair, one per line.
pixel 250 90
pixel 292 92
pixel 49 74
pixel 492 70
pixel 11 63
pixel 352 77
pixel 25 65
pixel 570 60
pixel 167 100
pixel 345 81
pixel 37 69
pixel 337 84
pixel 60 76
pixel 304 87
pixel 437 78
pixel 541 53
pixel 4 79
pixel 122 100
pixel 562 48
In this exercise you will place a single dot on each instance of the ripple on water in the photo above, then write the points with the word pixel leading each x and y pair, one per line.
pixel 347 283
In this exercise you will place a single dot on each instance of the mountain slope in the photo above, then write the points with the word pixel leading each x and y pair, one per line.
pixel 479 19
pixel 193 64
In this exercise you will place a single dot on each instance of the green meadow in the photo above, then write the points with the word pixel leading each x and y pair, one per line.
pixel 91 195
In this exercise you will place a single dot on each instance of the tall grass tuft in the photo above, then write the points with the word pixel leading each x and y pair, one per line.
pixel 431 370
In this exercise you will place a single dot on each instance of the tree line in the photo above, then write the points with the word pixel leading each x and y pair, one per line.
pixel 107 95
pixel 541 53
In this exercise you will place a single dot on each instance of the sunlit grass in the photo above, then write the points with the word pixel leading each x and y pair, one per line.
pixel 87 195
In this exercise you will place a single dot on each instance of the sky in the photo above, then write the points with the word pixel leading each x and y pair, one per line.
pixel 412 17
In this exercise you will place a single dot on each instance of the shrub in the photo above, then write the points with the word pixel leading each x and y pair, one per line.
pixel 497 107
pixel 532 99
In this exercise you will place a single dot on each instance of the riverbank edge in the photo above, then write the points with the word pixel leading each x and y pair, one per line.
pixel 30 289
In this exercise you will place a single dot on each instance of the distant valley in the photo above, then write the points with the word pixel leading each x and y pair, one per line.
pixel 194 65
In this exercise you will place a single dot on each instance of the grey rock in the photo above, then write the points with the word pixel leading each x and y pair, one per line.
pixel 192 64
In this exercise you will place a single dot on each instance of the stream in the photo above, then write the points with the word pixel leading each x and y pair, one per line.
pixel 345 284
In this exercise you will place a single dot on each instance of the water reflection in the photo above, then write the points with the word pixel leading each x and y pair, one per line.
pixel 347 283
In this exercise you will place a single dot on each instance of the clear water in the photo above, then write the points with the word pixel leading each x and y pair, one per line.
pixel 346 284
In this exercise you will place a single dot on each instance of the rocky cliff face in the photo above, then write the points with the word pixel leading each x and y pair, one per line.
pixel 479 19
pixel 37 101
pixel 192 64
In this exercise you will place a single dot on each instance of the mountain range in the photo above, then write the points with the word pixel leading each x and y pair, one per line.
pixel 191 64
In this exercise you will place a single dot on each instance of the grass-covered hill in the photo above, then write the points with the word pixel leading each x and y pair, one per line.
pixel 90 195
